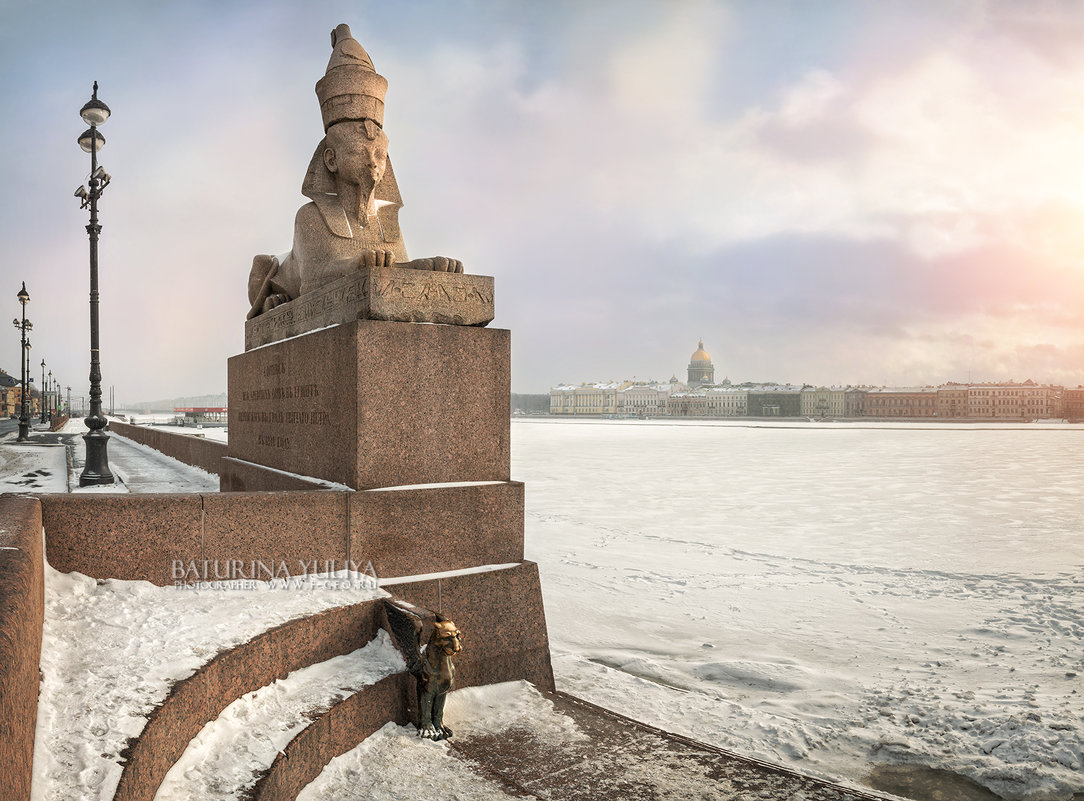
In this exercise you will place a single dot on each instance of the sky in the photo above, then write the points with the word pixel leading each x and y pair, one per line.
pixel 885 193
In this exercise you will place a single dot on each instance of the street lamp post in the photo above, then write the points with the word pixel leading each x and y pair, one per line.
pixel 96 470
pixel 49 396
pixel 24 366
pixel 41 393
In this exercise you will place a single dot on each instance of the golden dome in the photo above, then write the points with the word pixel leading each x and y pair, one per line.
pixel 701 355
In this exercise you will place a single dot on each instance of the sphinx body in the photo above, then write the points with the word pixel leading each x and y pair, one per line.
pixel 352 220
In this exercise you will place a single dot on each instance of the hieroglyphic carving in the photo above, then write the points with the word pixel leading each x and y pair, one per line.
pixel 379 293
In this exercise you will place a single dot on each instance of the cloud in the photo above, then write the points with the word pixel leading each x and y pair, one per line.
pixel 817 194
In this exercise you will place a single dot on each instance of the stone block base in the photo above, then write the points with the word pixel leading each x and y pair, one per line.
pixel 376 404
pixel 379 293
pixel 418 531
pixel 236 475
pixel 501 616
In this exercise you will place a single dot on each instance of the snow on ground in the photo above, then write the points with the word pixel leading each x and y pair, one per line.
pixel 216 433
pixel 137 468
pixel 387 765
pixel 32 468
pixel 230 753
pixel 143 469
pixel 394 764
pixel 112 649
pixel 832 598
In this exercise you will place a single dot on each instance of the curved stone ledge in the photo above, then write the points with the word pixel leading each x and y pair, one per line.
pixel 500 611
pixel 198 699
pixel 340 729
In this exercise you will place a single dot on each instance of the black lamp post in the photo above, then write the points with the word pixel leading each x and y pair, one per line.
pixel 49 396
pixel 96 470
pixel 24 366
pixel 41 393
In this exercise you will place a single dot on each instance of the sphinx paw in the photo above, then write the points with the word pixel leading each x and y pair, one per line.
pixel 429 733
pixel 442 264
pixel 377 258
pixel 277 299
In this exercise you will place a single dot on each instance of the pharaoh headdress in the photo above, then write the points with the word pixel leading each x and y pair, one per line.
pixel 351 90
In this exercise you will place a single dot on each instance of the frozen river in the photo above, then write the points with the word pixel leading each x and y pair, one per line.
pixel 836 597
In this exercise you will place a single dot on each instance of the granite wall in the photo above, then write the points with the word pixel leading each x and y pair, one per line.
pixel 22 608
pixel 164 538
pixel 196 451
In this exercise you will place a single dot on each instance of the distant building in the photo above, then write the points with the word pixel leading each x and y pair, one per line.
pixel 701 370
pixel 598 398
pixel 10 395
pixel 1072 404
pixel 824 402
pixel 774 400
pixel 902 402
pixel 854 401
pixel 708 401
pixel 643 399
pixel 952 401
pixel 1026 401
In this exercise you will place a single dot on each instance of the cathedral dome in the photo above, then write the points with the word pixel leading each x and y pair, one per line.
pixel 700 355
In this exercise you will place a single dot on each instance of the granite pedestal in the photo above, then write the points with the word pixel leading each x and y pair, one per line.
pixel 371 404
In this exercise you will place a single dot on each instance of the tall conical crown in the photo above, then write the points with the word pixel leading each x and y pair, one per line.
pixel 351 89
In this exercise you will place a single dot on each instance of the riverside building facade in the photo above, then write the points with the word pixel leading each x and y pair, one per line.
pixel 699 396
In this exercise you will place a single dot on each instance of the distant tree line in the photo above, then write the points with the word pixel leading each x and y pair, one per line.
pixel 531 403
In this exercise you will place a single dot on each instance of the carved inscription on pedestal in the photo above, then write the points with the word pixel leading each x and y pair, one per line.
pixel 283 412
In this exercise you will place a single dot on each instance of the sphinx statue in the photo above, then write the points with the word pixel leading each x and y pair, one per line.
pixel 352 220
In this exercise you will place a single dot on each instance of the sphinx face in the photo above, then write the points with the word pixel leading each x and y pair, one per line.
pixel 354 157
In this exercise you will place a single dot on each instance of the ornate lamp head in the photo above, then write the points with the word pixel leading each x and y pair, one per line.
pixel 94 112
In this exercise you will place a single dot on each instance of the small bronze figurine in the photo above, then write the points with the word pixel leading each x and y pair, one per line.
pixel 432 665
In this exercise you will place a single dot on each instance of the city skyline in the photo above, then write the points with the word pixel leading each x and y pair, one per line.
pixel 724 378
pixel 881 194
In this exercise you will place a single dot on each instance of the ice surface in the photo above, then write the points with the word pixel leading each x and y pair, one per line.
pixel 828 597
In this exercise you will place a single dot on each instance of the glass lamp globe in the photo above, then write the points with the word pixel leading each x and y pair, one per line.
pixel 91 137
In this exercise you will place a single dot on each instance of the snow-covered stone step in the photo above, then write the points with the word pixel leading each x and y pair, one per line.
pixel 232 752
pixel 131 671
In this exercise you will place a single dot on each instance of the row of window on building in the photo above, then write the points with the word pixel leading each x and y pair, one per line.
pixel 1016 401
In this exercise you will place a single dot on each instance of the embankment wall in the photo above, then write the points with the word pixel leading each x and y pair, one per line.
pixel 22 611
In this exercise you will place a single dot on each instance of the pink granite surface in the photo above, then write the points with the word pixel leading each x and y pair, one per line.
pixel 250 531
pixel 419 531
pixel 22 609
pixel 503 623
pixel 376 404
pixel 236 475
pixel 134 537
